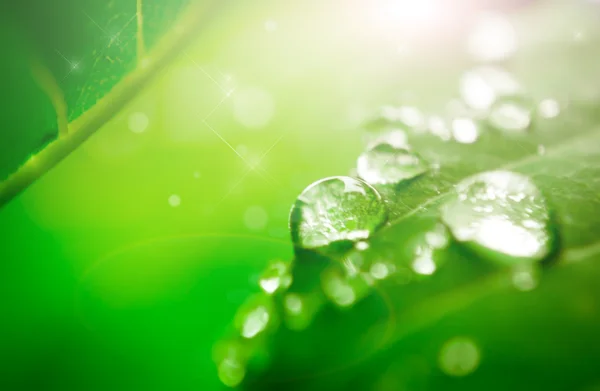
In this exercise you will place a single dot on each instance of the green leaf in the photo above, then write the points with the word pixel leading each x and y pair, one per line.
pixel 76 71
pixel 391 338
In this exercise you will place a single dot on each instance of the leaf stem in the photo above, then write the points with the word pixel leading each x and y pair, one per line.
pixel 192 21
pixel 50 86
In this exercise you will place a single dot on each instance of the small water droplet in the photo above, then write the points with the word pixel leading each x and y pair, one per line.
pixel 549 108
pixel 361 246
pixel 408 117
pixel 343 290
pixel 230 357
pixel 511 114
pixel 174 200
pixel 438 127
pixel 459 356
pixel 393 136
pixel 255 316
pixel 465 130
pixel 336 209
pixel 380 270
pixel 276 277
pixel 525 277
pixel 503 215
pixel 481 87
pixel 300 309
pixel 385 165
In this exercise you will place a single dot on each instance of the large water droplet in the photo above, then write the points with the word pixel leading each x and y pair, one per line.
pixel 502 215
pixel 385 165
pixel 459 357
pixel 512 114
pixel 336 209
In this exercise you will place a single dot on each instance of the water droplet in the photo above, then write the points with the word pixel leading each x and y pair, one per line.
pixel 343 290
pixel 424 263
pixel 525 277
pixel 231 362
pixel 336 209
pixel 408 117
pixel 493 38
pixel 481 87
pixel 255 316
pixel 385 165
pixel 380 270
pixel 465 130
pixel 231 372
pixel 138 122
pixel 276 277
pixel 256 218
pixel 174 200
pixel 438 127
pixel 300 309
pixel 549 108
pixel 361 246
pixel 459 357
pixel 501 214
pixel 393 136
pixel 511 114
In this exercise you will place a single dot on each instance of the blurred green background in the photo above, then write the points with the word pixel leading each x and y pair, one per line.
pixel 121 267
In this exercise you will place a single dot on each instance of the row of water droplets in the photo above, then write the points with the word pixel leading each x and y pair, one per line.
pixel 500 215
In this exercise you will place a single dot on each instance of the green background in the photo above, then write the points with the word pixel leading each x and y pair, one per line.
pixel 105 286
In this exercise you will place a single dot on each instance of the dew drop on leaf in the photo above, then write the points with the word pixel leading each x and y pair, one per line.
pixel 344 289
pixel 336 209
pixel 511 115
pixel 459 356
pixel 481 87
pixel 255 316
pixel 393 136
pixel 503 216
pixel 230 357
pixel 549 108
pixel 300 309
pixel 525 277
pixel 386 165
pixel 276 277
pixel 465 130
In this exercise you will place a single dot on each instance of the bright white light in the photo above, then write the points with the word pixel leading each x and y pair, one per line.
pixel 493 38
pixel 465 130
pixel 408 14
